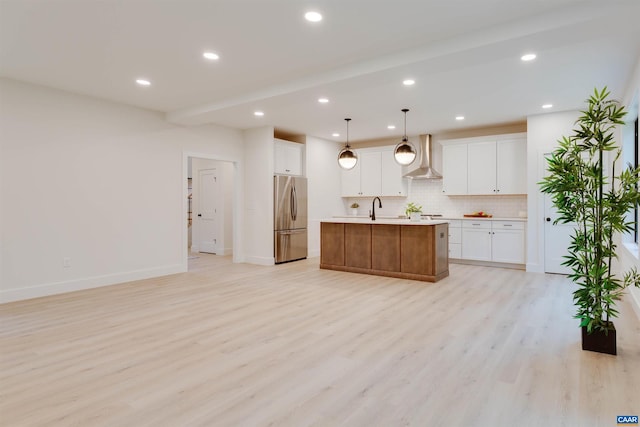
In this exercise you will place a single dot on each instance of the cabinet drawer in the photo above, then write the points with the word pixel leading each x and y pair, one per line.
pixel 482 225
pixel 455 235
pixel 455 223
pixel 508 225
pixel 455 250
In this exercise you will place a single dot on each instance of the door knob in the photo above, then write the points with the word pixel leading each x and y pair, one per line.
pixel 548 219
pixel 199 214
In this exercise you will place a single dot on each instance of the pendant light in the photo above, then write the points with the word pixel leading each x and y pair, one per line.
pixel 347 158
pixel 404 153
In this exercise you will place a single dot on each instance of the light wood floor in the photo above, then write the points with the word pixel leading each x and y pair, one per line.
pixel 292 345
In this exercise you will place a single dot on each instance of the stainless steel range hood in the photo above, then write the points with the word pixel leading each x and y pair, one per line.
pixel 424 171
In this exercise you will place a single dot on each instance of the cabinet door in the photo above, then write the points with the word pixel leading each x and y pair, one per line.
pixel 454 169
pixel 511 168
pixel 351 181
pixel 357 245
pixel 287 158
pixel 385 247
pixel 508 246
pixel 508 242
pixel 482 168
pixel 476 243
pixel 332 243
pixel 370 173
pixel 393 183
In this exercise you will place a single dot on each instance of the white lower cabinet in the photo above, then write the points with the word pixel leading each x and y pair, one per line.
pixel 491 241
pixel 476 240
pixel 455 239
pixel 508 242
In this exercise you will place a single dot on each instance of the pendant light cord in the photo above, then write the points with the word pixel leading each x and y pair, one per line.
pixel 347 144
pixel 405 125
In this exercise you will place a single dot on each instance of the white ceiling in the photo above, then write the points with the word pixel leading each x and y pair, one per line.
pixel 463 55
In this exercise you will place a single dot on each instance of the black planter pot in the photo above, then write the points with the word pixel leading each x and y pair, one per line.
pixel 598 341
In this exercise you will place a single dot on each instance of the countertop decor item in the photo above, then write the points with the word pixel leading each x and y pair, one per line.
pixel 598 203
pixel 354 208
pixel 478 214
pixel 413 211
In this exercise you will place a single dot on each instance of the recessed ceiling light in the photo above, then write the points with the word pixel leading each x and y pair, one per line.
pixel 211 56
pixel 143 82
pixel 323 100
pixel 528 57
pixel 409 82
pixel 335 134
pixel 545 106
pixel 391 127
pixel 313 16
pixel 459 117
pixel 258 113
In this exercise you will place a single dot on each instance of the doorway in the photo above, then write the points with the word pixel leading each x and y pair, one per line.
pixel 210 207
pixel 557 237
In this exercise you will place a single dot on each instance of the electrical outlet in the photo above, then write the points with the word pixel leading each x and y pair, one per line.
pixel 66 262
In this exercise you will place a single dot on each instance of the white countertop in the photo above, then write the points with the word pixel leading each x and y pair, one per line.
pixel 486 219
pixel 383 221
pixel 397 220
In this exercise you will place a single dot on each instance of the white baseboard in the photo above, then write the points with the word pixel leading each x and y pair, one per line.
pixel 313 254
pixel 635 301
pixel 19 294
pixel 534 268
pixel 259 260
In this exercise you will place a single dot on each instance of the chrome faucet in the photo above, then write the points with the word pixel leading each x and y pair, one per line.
pixel 373 208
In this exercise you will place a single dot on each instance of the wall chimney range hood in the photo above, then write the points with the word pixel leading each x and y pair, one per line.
pixel 424 171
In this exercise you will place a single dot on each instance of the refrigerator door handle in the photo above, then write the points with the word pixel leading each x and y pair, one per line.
pixel 289 232
pixel 294 203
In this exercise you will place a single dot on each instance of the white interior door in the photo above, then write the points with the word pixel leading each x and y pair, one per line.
pixel 557 238
pixel 207 216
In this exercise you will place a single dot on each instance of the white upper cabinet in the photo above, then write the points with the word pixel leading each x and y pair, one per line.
pixel 375 174
pixel 492 165
pixel 454 169
pixel 482 168
pixel 511 172
pixel 393 183
pixel 288 157
pixel 351 181
pixel 370 173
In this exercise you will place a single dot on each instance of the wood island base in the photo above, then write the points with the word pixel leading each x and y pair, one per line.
pixel 416 251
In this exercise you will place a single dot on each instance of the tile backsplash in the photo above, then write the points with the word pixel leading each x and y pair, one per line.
pixel 428 194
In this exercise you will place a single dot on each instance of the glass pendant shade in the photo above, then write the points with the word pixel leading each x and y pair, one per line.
pixel 405 153
pixel 347 158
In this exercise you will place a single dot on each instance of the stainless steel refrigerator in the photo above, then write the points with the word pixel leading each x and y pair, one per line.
pixel 290 218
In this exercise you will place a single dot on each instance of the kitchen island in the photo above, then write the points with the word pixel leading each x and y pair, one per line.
pixel 416 250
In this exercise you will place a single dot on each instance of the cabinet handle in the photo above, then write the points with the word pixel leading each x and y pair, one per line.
pixel 507 225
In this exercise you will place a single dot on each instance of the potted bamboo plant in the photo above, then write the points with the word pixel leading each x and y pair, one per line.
pixel 587 190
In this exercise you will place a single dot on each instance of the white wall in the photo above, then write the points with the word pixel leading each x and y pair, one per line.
pixel 96 182
pixel 629 255
pixel 323 187
pixel 258 196
pixel 543 132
